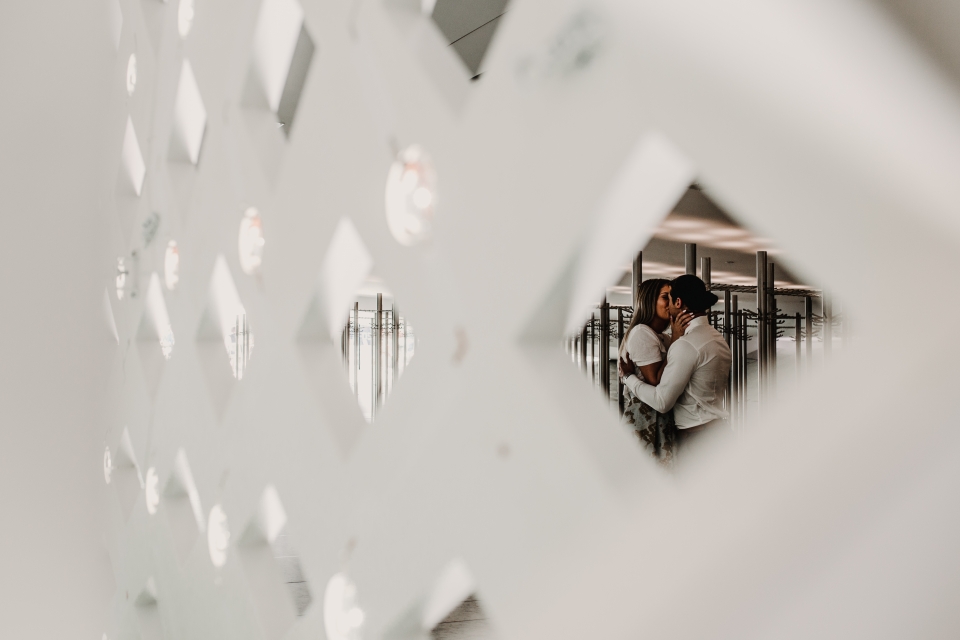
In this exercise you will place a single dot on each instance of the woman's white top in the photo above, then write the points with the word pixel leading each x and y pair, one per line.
pixel 645 346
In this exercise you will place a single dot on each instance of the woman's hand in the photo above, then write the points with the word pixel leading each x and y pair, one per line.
pixel 678 325
pixel 626 367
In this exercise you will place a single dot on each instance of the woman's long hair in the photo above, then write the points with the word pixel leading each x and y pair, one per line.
pixel 644 307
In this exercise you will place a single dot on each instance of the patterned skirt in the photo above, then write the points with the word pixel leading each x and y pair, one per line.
pixel 656 430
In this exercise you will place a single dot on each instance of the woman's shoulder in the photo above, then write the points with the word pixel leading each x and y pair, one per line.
pixel 644 332
pixel 643 335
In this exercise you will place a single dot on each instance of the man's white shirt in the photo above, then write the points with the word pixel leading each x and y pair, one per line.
pixel 695 379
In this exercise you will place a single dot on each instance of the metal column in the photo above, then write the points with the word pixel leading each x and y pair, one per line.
pixel 827 312
pixel 395 325
pixel 808 327
pixel 605 348
pixel 583 348
pixel 733 340
pixel 690 258
pixel 761 323
pixel 772 331
pixel 591 368
pixel 637 279
pixel 744 380
pixel 619 342
pixel 377 359
pixel 356 350
pixel 799 339
pixel 728 335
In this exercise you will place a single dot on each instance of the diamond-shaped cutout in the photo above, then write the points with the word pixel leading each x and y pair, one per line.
pixel 131 180
pixel 133 170
pixel 187 137
pixel 282 53
pixel 450 609
pixel 734 355
pixel 272 566
pixel 468 27
pixel 224 338
pixel 353 308
pixel 155 339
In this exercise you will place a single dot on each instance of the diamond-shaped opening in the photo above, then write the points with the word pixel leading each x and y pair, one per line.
pixel 769 342
pixel 353 308
pixel 449 609
pixel 467 620
pixel 131 181
pixel 224 338
pixel 280 590
pixel 182 508
pixel 155 339
pixel 189 118
pixel 282 53
pixel 468 27
pixel 189 130
pixel 133 170
pixel 377 344
pixel 124 473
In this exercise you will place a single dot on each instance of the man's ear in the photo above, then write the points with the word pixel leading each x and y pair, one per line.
pixel 677 302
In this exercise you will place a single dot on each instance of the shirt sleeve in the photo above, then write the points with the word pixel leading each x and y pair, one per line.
pixel 644 346
pixel 681 363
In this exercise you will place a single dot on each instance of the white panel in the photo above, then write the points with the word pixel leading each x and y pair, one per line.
pixel 190 116
pixel 132 159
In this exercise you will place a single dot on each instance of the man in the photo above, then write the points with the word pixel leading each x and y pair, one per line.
pixel 695 377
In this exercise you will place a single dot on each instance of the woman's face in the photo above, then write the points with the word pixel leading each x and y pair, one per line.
pixel 663 303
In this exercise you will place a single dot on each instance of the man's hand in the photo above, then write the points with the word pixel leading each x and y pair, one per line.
pixel 626 368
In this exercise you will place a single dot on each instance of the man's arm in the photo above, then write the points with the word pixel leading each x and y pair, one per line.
pixel 681 363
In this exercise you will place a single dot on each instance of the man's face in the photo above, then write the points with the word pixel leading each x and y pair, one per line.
pixel 676 306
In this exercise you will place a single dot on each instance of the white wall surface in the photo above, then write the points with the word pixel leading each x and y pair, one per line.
pixel 818 124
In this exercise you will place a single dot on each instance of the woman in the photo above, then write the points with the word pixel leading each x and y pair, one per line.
pixel 646 346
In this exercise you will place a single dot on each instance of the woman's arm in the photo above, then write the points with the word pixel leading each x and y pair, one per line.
pixel 678 326
pixel 652 372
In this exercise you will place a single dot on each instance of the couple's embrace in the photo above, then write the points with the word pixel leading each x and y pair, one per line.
pixel 674 384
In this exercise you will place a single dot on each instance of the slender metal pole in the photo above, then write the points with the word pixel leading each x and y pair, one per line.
pixel 761 323
pixel 619 342
pixel 728 335
pixel 706 272
pixel 798 338
pixel 745 380
pixel 583 348
pixel 772 312
pixel 690 258
pixel 395 325
pixel 733 340
pixel 593 350
pixel 827 311
pixel 808 327
pixel 637 278
pixel 605 348
pixel 356 349
pixel 377 356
